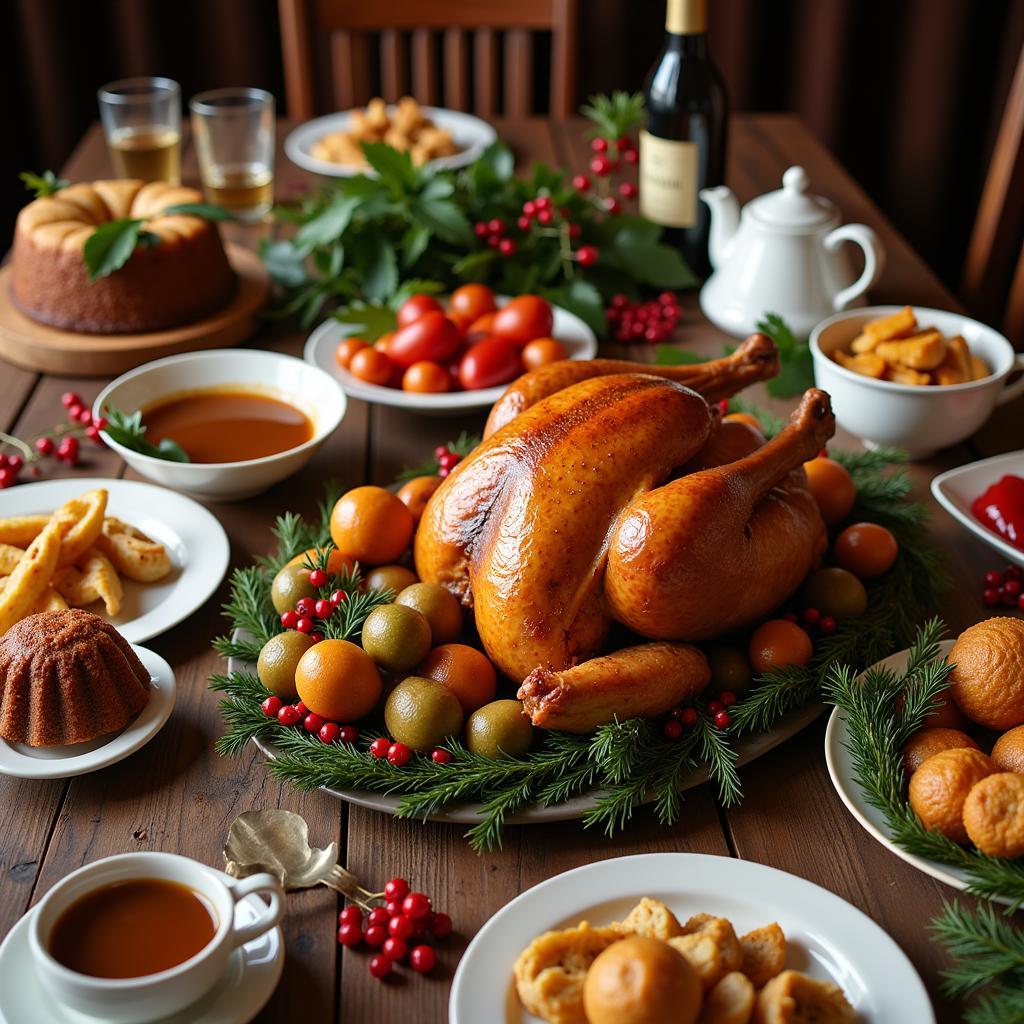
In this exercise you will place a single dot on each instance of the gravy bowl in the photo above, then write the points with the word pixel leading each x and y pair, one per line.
pixel 920 420
pixel 307 388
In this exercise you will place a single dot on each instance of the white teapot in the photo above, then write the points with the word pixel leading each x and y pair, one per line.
pixel 782 255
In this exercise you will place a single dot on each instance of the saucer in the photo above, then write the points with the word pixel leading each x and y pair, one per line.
pixel 252 975
pixel 24 762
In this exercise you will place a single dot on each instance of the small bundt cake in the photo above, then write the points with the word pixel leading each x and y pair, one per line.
pixel 181 278
pixel 67 677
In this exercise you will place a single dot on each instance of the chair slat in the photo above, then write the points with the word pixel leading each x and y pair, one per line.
pixel 565 33
pixel 424 66
pixel 394 65
pixel 350 66
pixel 456 69
pixel 518 72
pixel 297 48
pixel 1013 323
pixel 485 72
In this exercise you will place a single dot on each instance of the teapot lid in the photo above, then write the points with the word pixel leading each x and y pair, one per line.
pixel 792 206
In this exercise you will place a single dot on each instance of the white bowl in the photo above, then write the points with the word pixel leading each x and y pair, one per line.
pixel 314 392
pixel 471 134
pixel 578 338
pixel 956 489
pixel 920 420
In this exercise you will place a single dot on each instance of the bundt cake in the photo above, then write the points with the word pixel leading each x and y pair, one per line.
pixel 179 279
pixel 67 677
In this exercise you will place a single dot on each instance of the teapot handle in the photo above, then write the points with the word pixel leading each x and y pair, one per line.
pixel 874 260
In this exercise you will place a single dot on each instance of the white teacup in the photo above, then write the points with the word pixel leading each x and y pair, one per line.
pixel 151 996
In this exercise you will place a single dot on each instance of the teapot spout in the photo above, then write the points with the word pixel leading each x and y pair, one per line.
pixel 725 219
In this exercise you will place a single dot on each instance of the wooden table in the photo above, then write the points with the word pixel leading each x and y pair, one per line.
pixel 178 795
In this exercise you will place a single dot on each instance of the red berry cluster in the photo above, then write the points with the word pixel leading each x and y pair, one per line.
pixel 294 714
pixel 652 321
pixel 80 423
pixel 541 211
pixel 396 926
pixel 495 233
pixel 1004 589
pixel 399 755
pixel 447 460
pixel 812 620
pixel 685 719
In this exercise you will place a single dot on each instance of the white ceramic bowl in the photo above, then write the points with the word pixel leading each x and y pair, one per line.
pixel 316 393
pixel 920 420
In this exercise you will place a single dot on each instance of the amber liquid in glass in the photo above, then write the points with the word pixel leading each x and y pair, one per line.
pixel 152 154
pixel 247 190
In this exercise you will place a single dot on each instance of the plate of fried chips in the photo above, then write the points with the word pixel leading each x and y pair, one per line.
pixel 143 557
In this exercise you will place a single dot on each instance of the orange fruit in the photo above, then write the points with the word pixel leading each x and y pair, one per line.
pixel 926 742
pixel 338 681
pixel 866 549
pixel 347 348
pixel 744 417
pixel 389 577
pixel 336 561
pixel 465 671
pixel 372 366
pixel 1008 753
pixel 940 786
pixel 381 344
pixel 426 377
pixel 832 487
pixel 416 493
pixel 371 525
pixel 778 642
pixel 994 815
pixel 542 351
pixel 987 681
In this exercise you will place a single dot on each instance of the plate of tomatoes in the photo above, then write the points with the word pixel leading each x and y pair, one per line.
pixel 448 357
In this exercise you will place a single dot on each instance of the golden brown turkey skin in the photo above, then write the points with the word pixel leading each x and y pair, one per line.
pixel 520 529
pixel 754 360
pixel 721 547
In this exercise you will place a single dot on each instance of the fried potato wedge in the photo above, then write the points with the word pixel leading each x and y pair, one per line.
pixel 132 553
pixel 701 950
pixel 896 325
pixel 792 997
pixel 31 576
pixel 921 352
pixel 721 931
pixel 20 531
pixel 93 579
pixel 867 363
pixel 731 1001
pixel 10 556
pixel 48 601
pixel 764 953
pixel 652 919
pixel 956 367
pixel 81 521
pixel 900 374
pixel 979 368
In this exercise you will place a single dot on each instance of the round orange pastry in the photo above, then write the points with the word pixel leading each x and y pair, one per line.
pixel 926 742
pixel 1008 753
pixel 987 681
pixel 371 525
pixel 641 981
pixel 940 786
pixel 994 815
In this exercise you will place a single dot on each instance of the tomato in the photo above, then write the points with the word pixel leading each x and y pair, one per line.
pixel 432 337
pixel 470 302
pixel 381 344
pixel 416 306
pixel 482 327
pixel 425 377
pixel 371 366
pixel 488 363
pixel 542 351
pixel 523 319
pixel 347 348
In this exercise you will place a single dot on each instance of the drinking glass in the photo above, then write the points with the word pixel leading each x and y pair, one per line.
pixel 234 137
pixel 142 122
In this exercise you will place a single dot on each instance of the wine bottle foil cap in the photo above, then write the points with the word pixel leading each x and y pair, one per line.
pixel 686 17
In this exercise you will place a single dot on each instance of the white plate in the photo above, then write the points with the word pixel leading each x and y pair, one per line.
pixel 471 134
pixel 195 541
pixel 828 938
pixel 840 769
pixel 252 975
pixel 568 328
pixel 956 489
pixel 24 762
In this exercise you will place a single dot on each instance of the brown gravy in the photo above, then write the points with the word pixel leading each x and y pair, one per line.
pixel 131 929
pixel 227 424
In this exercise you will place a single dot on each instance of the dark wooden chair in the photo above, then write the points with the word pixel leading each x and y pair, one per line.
pixel 473 55
pixel 993 275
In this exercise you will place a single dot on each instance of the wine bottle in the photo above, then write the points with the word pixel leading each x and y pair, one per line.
pixel 682 149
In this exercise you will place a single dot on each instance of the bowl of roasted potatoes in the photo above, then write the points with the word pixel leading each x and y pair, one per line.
pixel 333 145
pixel 915 378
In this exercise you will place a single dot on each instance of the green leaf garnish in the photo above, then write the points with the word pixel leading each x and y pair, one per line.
pixel 207 211
pixel 129 430
pixel 110 246
pixel 615 115
pixel 669 355
pixel 45 184
pixel 796 368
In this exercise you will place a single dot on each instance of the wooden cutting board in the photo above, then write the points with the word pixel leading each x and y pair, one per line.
pixel 37 346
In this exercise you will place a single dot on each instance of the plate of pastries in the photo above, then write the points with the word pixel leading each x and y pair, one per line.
pixel 332 145
pixel 687 938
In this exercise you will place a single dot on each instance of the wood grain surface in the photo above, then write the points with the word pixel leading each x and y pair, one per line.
pixel 178 795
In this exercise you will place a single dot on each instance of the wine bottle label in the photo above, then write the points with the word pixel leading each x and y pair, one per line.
pixel 668 181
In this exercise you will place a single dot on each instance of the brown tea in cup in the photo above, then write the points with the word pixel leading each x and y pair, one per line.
pixel 133 928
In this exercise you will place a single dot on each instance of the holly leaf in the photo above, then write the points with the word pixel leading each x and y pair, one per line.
pixel 414 243
pixel 205 210
pixel 583 299
pixel 327 226
pixel 285 263
pixel 130 431
pixel 650 261
pixel 44 184
pixel 394 167
pixel 110 246
pixel 669 355
pixel 796 367
pixel 371 319
pixel 415 286
pixel 444 217
pixel 474 266
pixel 493 170
pixel 375 257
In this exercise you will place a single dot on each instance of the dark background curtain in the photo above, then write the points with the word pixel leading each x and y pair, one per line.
pixel 907 93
